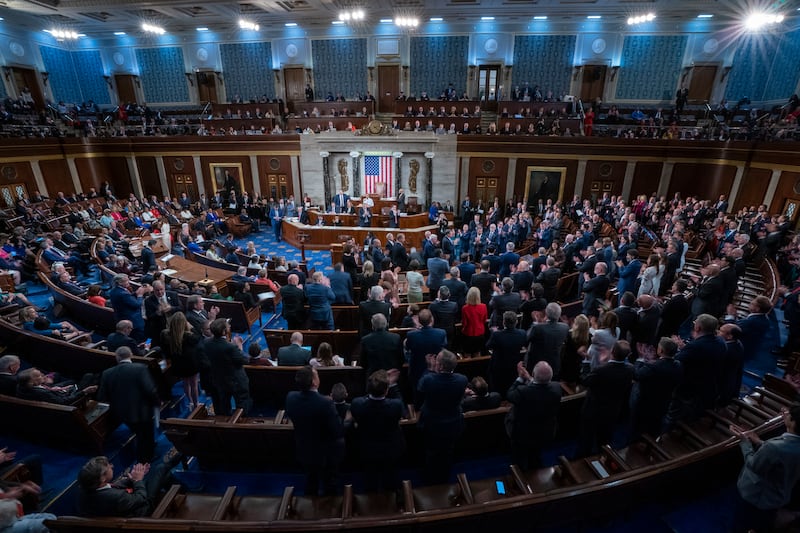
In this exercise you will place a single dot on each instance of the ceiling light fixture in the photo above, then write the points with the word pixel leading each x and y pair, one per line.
pixel 119 33
pixel 756 21
pixel 641 18
pixel 337 22
pixel 149 28
pixel 594 17
pixel 290 24
pixel 247 25
pixel 356 15
pixel 436 19
pixel 63 34
pixel 487 18
pixel 203 28
pixel 705 16
pixel 386 21
pixel 540 17
pixel 406 22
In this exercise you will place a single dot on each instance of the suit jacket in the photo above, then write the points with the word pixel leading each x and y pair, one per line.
pixel 627 320
pixel 730 375
pixel 754 330
pixel 673 314
pixel 8 384
pixel 147 259
pixel 445 315
pixel 318 431
pixel 652 392
pixel 505 345
pixel 458 290
pixel 378 428
pixel 158 321
pixel 701 359
pixel 399 256
pixel 420 343
pixel 484 281
pixel 127 499
pixel 342 287
pixel 501 303
pixel 227 365
pixel 293 300
pixel 628 275
pixel 381 350
pixel 729 282
pixel 437 270
pixel 441 396
pixel 320 299
pixel 545 342
pixel 130 391
pixel 369 308
pixel 534 411
pixel 608 390
pixel 43 394
pixel 710 298
pixel 115 340
pixel 647 325
pixel 594 289
pixel 293 355
pixel 127 307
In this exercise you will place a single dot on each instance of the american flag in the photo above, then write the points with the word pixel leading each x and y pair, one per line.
pixel 379 168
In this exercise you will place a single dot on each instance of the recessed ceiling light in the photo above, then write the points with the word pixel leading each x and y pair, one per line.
pixel 436 19
pixel 540 17
pixel 337 22
pixel 153 29
pixel 704 16
pixel 1 18
pixel 487 18
pixel 594 17
pixel 202 28
pixel 386 21
pixel 119 33
pixel 290 24
pixel 247 25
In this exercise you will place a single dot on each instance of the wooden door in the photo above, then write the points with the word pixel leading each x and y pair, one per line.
pixel 593 83
pixel 26 77
pixel 485 188
pixel 294 80
pixel 207 87
pixel 702 83
pixel 488 85
pixel 276 186
pixel 126 87
pixel 179 183
pixel 10 193
pixel 388 87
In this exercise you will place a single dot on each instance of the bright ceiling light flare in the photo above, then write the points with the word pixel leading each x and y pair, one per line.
pixel 757 21
pixel 202 28
pixel 119 33
pixel 487 18
pixel 705 16
pixel 150 28
pixel 406 22
pixel 436 19
pixel 594 17
pixel 641 18
pixel 63 34
pixel 540 17
pixel 247 25
pixel 355 15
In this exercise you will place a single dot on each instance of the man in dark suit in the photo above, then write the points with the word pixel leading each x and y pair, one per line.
pixel 401 200
pixel 381 349
pixel 531 423
pixel 710 295
pixel 341 285
pixel 445 313
pixel 628 272
pixel 133 398
pixel 127 305
pixel 441 420
pixel 364 216
pixel 227 366
pixel 730 376
pixel 548 278
pixel 294 354
pixel 654 384
pixel 701 359
pixel 398 253
pixel 458 289
pixel 586 267
pixel 32 384
pixel 121 337
pixel 508 260
pixel 485 282
pixel 197 315
pixel 420 343
pixel 158 307
pixel 381 443
pixel 648 318
pixel 318 432
pixel 627 317
pixel 437 270
pixel 9 366
pixel 507 300
pixel 546 339
pixel 506 345
pixel 607 392
pixel 394 217
pixel 595 289
pixel 293 299
pixel 147 259
pixel 340 201
pixel 729 278
pixel 675 310
pixel 367 309
pixel 754 327
pixel 673 264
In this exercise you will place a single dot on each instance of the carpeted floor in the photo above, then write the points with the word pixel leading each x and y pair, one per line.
pixel 708 512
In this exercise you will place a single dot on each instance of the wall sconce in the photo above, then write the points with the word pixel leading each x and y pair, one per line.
pixel 45 78
pixel 324 154
pixel 190 78
pixel 725 72
pixel 108 81
pixel 614 71
pixel 397 155
pixel 429 155
pixel 354 154
pixel 576 71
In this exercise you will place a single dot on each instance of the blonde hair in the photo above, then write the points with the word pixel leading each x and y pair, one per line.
pixel 473 296
pixel 177 326
pixel 580 330
pixel 368 269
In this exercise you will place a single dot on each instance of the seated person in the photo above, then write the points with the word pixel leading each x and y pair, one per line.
pixel 244 295
pixel 32 385
pixel 66 284
pixel 262 279
pixel 254 262
pixel 15 298
pixel 93 295
pixel 121 337
pixel 9 367
pixel 32 322
pixel 132 494
pixel 241 276
pixel 259 356
pixel 325 357
pixel 478 398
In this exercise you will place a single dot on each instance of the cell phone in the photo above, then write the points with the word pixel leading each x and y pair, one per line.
pixel 501 487
pixel 148 341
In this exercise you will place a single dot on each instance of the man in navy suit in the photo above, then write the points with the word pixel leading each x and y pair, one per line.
pixel 276 214
pixel 628 273
pixel 294 354
pixel 505 344
pixel 654 384
pixel 318 432
pixel 394 217
pixel 437 270
pixel 340 201
pixel 127 305
pixel 754 327
pixel 422 342
pixel 147 258
pixel 380 439
pixel 441 419
pixel 341 285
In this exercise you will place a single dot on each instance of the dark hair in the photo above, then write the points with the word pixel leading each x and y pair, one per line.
pixel 304 378
pixel 378 383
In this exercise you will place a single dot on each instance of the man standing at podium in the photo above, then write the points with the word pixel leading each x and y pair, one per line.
pixel 340 201
pixel 277 213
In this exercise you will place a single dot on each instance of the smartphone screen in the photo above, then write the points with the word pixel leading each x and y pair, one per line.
pixel 148 341
pixel 501 487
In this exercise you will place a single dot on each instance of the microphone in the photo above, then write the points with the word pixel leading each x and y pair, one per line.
pixel 206 273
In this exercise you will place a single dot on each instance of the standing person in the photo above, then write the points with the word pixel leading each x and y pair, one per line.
pixel 595 289
pixel 415 281
pixel 227 367
pixel 506 345
pixel 771 471
pixel 132 396
pixel 178 344
pixel 318 432
pixel 128 305
pixel 547 339
pixel 607 393
pixel 531 423
pixel 380 439
pixel 158 307
pixel 420 343
pixel 473 323
pixel 276 213
pixel 294 303
pixel 441 419
pixel 653 388
pixel 320 297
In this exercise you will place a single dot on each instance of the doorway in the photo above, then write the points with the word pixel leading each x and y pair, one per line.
pixel 126 87
pixel 593 83
pixel 10 193
pixel 488 86
pixel 294 80
pixel 183 183
pixel 702 83
pixel 207 87
pixel 276 186
pixel 26 77
pixel 485 189
pixel 388 87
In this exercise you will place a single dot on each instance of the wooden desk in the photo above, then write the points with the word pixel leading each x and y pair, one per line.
pixel 321 237
pixel 406 221
pixel 191 272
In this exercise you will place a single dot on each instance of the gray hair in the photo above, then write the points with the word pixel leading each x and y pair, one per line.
pixel 7 361
pixel 378 322
pixel 376 293
pixel 552 311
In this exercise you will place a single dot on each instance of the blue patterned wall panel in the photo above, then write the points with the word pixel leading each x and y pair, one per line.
pixel 650 66
pixel 785 68
pixel 543 60
pixel 161 71
pixel 89 65
pixel 63 79
pixel 340 67
pixel 436 62
pixel 751 66
pixel 248 70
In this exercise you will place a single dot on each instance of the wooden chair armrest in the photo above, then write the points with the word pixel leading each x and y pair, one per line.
pixel 224 506
pixel 523 487
pixel 286 503
pixel 466 490
pixel 408 497
pixel 347 501
pixel 166 502
pixel 567 469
